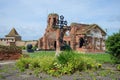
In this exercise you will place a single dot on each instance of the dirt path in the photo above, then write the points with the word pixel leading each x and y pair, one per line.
pixel 8 71
pixel 7 62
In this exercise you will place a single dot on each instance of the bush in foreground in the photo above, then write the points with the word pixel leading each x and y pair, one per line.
pixel 65 63
pixel 10 52
pixel 118 67
pixel 113 46
pixel 10 49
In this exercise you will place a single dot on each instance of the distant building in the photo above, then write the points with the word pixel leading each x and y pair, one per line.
pixel 13 33
pixel 11 38
pixel 80 37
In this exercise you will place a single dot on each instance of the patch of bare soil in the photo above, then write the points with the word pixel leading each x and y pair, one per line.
pixel 10 72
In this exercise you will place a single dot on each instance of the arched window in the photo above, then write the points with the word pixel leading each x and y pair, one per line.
pixel 54 21
pixel 81 42
pixel 55 44
pixel 69 43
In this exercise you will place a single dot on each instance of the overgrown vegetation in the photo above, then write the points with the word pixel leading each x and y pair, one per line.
pixel 10 52
pixel 23 47
pixel 118 67
pixel 66 63
pixel 113 46
pixel 9 49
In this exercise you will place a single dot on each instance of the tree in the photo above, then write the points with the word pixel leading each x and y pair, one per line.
pixel 113 46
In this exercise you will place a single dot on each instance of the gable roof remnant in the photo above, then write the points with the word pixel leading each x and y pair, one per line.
pixel 95 25
pixel 84 28
pixel 13 33
pixel 78 24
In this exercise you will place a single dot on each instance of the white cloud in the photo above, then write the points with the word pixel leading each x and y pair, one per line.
pixel 29 17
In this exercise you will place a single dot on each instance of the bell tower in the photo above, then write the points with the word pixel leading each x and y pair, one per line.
pixel 52 20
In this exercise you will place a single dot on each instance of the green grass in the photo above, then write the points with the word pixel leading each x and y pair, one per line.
pixel 42 53
pixel 101 58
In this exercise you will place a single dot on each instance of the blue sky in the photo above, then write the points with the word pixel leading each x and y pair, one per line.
pixel 29 17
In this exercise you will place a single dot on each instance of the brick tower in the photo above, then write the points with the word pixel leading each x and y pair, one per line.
pixel 49 38
pixel 52 20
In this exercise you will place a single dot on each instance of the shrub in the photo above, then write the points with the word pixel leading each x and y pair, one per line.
pixel 34 48
pixel 10 49
pixel 46 63
pixel 34 64
pixel 10 52
pixel 118 67
pixel 23 47
pixel 41 63
pixel 66 63
pixel 23 63
pixel 113 46
pixel 69 62
pixel 65 56
pixel 66 47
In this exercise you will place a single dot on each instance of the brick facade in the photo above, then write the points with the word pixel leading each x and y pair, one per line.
pixel 80 37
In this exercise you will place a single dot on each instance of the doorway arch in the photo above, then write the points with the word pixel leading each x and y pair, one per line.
pixel 81 42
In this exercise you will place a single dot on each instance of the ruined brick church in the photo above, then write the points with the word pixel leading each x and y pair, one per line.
pixel 80 37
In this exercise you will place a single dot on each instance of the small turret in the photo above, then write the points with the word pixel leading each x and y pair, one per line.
pixel 14 33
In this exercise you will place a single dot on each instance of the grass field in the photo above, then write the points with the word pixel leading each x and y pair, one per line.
pixel 42 53
pixel 99 57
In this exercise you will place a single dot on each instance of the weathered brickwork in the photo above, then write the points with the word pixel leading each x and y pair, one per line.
pixel 80 37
